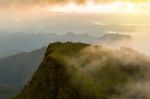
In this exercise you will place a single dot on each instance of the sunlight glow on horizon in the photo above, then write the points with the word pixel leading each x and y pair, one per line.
pixel 91 7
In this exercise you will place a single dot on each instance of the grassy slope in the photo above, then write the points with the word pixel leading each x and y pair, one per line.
pixel 59 78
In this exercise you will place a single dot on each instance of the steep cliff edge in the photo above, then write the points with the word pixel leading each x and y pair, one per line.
pixel 81 71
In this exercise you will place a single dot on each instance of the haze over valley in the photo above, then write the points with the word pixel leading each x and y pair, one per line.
pixel 74 49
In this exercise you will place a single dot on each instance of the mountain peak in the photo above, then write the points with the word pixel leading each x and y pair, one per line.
pixel 82 71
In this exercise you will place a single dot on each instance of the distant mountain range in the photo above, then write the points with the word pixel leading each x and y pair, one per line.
pixel 17 70
pixel 11 44
pixel 114 38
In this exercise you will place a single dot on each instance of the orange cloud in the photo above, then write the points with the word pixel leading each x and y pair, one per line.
pixel 43 2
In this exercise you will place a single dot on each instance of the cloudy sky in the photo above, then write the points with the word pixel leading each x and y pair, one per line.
pixel 79 16
pixel 37 2
pixel 126 4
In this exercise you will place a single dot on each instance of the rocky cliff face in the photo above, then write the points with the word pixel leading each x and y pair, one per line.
pixel 81 71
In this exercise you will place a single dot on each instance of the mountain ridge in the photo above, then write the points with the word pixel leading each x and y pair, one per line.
pixel 70 71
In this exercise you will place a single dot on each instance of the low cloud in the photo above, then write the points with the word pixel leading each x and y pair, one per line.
pixel 91 61
pixel 140 40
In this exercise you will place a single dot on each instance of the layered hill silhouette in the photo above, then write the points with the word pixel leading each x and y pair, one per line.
pixel 83 71
pixel 17 70
pixel 14 43
pixel 114 38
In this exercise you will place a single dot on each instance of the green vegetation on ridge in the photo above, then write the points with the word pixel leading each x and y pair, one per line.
pixel 81 71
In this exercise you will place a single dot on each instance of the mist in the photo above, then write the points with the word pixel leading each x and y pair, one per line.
pixel 141 41
pixel 96 60
pixel 137 40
